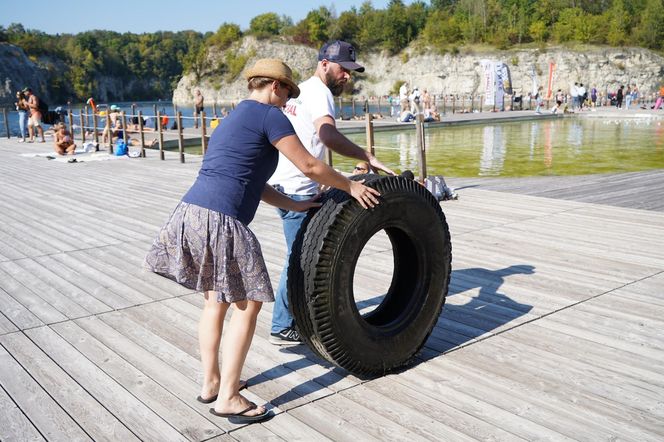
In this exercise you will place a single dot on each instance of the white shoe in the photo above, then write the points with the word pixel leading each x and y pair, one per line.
pixel 21 141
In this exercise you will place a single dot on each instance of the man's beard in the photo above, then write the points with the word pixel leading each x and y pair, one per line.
pixel 335 86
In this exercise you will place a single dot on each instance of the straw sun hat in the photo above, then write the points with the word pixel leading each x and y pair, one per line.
pixel 274 68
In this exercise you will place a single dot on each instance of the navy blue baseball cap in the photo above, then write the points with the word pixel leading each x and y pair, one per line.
pixel 340 52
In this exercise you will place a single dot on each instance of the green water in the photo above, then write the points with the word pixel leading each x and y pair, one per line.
pixel 561 146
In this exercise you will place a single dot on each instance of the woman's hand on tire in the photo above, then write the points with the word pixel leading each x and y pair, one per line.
pixel 366 196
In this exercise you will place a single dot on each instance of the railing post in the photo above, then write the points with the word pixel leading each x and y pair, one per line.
pixel 180 137
pixel 95 134
pixel 453 104
pixel 110 134
pixel 341 109
pixel 352 102
pixel 82 120
pixel 161 137
pixel 6 120
pixel 214 109
pixel 141 132
pixel 203 130
pixel 125 135
pixel 421 148
pixel 157 122
pixel 370 133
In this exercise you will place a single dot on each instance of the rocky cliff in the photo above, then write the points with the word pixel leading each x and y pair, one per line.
pixel 18 71
pixel 47 77
pixel 601 67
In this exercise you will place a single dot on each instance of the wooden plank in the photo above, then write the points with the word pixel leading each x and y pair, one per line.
pixel 6 326
pixel 69 307
pixel 166 405
pixel 137 417
pixel 84 283
pixel 88 413
pixel 14 425
pixel 438 411
pixel 37 306
pixel 113 256
pixel 51 421
pixel 393 409
pixel 286 427
pixel 572 410
pixel 93 271
pixel 62 284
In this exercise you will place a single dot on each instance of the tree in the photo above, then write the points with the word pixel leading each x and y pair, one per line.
pixel 650 30
pixel 266 25
pixel 618 22
pixel 227 34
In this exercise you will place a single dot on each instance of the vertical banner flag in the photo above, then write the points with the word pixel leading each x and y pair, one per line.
pixel 489 80
pixel 549 87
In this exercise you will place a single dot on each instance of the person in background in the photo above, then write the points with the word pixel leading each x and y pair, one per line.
pixel 360 168
pixel 312 115
pixel 619 96
pixel 635 94
pixel 64 144
pixel 35 120
pixel 198 106
pixel 538 100
pixel 113 117
pixel 206 245
pixel 403 97
pixel 23 115
pixel 628 97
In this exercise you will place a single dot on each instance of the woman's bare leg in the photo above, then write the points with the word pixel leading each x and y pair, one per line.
pixel 236 344
pixel 209 336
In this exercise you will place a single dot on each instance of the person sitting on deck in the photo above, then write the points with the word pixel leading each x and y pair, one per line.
pixel 64 144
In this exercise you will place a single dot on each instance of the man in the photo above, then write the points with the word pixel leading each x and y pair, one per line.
pixel 35 121
pixel 198 106
pixel 403 97
pixel 312 116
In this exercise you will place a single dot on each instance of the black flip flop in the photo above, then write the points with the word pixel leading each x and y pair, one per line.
pixel 241 418
pixel 211 399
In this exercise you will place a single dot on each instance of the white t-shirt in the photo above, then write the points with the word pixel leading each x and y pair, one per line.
pixel 315 101
pixel 403 92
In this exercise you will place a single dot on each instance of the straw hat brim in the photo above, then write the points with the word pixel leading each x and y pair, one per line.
pixel 270 70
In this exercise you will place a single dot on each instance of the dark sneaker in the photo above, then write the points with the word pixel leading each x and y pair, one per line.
pixel 288 336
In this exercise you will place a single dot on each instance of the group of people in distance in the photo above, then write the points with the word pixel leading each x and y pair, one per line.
pixel 30 119
pixel 269 148
pixel 29 115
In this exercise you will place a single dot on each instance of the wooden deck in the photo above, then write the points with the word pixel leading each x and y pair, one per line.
pixel 553 328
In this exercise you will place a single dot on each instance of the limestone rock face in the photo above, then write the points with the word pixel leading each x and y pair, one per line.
pixel 301 59
pixel 18 71
pixel 601 67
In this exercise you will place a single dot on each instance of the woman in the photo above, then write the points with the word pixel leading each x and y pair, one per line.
pixel 206 244
pixel 64 144
pixel 23 114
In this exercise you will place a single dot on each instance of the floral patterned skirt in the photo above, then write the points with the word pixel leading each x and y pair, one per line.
pixel 206 250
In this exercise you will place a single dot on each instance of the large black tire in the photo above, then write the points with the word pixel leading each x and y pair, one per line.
pixel 322 265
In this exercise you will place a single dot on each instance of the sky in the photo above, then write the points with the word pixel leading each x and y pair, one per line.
pixel 139 16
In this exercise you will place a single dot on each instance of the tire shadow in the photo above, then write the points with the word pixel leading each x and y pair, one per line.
pixel 488 309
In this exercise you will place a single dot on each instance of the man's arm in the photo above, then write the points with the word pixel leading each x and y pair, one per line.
pixel 335 140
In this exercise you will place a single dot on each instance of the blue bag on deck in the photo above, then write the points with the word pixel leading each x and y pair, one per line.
pixel 121 148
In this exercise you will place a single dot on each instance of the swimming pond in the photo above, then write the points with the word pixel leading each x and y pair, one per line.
pixel 559 146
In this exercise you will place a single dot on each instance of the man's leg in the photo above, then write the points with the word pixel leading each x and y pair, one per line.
pixel 281 317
